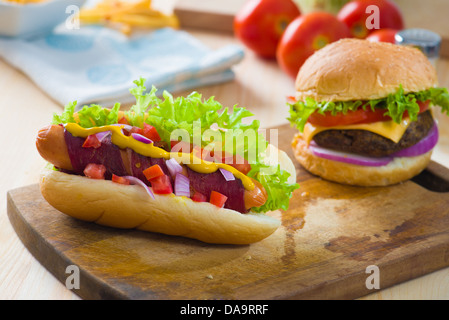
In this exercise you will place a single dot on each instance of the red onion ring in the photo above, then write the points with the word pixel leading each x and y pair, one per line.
pixel 423 146
pixel 348 157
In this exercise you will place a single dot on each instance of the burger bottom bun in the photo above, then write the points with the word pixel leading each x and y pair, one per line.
pixel 129 206
pixel 400 169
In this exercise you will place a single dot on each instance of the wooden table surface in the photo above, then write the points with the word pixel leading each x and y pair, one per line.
pixel 259 85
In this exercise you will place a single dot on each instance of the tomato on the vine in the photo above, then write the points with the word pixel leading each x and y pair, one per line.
pixel 354 14
pixel 305 35
pixel 259 24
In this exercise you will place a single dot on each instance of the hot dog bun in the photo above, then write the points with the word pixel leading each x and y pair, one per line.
pixel 127 206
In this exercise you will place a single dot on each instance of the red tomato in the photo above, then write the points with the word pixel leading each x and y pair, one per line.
pixel 92 142
pixel 217 199
pixel 150 132
pixel 199 197
pixel 260 24
pixel 123 120
pixel 161 185
pixel 304 36
pixel 382 35
pixel 119 179
pixel 153 172
pixel 358 116
pixel 351 117
pixel 181 146
pixel 354 15
pixel 94 171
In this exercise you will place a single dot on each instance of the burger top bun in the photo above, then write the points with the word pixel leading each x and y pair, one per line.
pixel 354 69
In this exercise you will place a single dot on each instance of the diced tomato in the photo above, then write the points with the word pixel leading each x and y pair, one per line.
pixel 153 172
pixel 94 171
pixel 161 185
pixel 181 146
pixel 150 132
pixel 199 197
pixel 123 120
pixel 119 179
pixel 92 142
pixel 217 199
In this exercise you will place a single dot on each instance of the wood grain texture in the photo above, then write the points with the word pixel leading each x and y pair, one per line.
pixel 328 238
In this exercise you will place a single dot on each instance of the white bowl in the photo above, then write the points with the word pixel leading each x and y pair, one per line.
pixel 25 20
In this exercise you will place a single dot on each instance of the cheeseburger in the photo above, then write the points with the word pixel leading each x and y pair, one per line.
pixel 364 112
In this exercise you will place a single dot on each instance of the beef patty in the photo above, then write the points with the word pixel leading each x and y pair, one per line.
pixel 371 144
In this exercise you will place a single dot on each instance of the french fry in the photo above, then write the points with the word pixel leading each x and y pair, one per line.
pixel 147 21
pixel 124 16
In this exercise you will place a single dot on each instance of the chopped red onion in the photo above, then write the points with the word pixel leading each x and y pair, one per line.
pixel 125 126
pixel 134 180
pixel 102 135
pixel 173 166
pixel 182 185
pixel 227 174
pixel 141 138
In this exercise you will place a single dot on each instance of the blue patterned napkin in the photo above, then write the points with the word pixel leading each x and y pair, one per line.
pixel 97 65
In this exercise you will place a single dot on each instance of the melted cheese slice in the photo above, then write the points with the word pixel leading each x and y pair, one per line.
pixel 388 129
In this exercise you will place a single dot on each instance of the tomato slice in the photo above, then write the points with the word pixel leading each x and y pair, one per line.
pixel 153 172
pixel 92 142
pixel 119 179
pixel 162 185
pixel 358 116
pixel 94 171
pixel 199 197
pixel 217 199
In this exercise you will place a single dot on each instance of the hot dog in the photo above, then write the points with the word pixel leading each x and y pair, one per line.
pixel 52 147
pixel 127 171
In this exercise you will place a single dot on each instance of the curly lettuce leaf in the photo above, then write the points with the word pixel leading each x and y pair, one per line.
pixel 278 189
pixel 395 105
pixel 89 116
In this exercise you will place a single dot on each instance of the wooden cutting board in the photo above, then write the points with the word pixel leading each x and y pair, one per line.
pixel 329 237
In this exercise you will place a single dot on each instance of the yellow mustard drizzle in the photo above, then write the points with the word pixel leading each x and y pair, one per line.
pixel 149 150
